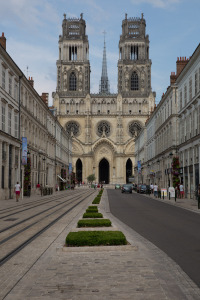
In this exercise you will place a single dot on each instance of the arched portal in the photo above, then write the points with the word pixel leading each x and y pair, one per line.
pixel 79 170
pixel 104 171
pixel 129 166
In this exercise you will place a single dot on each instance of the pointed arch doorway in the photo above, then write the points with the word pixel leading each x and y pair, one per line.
pixel 104 173
pixel 79 171
pixel 129 167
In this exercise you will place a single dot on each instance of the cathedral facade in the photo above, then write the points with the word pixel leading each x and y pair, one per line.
pixel 104 125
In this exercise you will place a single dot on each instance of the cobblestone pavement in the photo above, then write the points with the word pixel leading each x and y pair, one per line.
pixel 137 271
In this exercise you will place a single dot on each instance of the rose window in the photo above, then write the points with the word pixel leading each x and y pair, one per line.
pixel 72 128
pixel 134 129
pixel 103 129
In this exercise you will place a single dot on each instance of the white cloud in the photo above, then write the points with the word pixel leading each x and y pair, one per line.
pixel 157 3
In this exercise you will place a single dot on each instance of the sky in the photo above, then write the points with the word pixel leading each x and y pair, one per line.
pixel 32 29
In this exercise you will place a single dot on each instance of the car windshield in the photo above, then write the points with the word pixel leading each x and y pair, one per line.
pixel 127 185
pixel 143 186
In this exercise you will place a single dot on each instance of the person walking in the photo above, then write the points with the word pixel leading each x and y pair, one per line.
pixel 155 190
pixel 198 196
pixel 17 191
pixel 181 189
pixel 151 187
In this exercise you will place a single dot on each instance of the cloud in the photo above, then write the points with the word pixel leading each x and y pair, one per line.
pixel 157 3
pixel 27 13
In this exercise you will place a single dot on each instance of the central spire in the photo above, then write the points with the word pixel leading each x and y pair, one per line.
pixel 104 86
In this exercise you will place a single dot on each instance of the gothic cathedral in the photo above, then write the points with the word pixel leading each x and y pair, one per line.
pixel 103 126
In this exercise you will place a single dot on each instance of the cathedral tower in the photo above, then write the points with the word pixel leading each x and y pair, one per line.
pixel 73 67
pixel 134 65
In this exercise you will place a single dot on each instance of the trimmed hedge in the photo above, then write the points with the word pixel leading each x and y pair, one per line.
pixel 96 200
pixel 92 207
pixel 95 238
pixel 92 215
pixel 88 210
pixel 94 223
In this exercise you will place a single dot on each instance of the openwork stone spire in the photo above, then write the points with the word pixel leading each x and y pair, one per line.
pixel 104 86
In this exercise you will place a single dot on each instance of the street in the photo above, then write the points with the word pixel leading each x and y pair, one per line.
pixel 172 229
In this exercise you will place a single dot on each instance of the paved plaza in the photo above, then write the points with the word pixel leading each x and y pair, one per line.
pixel 136 271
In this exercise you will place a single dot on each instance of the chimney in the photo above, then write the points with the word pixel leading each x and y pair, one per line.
pixel 172 78
pixel 45 98
pixel 3 41
pixel 180 64
pixel 31 81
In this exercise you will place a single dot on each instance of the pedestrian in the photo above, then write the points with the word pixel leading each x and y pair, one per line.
pixel 151 187
pixel 155 190
pixel 181 189
pixel 198 196
pixel 29 189
pixel 17 191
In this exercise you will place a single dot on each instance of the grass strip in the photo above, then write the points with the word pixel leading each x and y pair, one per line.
pixel 95 238
pixel 88 210
pixel 94 223
pixel 92 215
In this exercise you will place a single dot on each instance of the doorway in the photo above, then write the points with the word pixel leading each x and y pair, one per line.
pixel 79 171
pixel 129 167
pixel 104 171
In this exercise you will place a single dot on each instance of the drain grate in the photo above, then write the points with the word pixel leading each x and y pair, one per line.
pixel 11 219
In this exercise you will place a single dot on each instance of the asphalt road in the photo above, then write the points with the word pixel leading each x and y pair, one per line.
pixel 174 230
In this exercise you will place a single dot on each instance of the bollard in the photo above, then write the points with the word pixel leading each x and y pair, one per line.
pixel 175 195
pixel 169 195
pixel 199 202
pixel 163 195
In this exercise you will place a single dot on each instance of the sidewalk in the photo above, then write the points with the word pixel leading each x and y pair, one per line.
pixel 138 271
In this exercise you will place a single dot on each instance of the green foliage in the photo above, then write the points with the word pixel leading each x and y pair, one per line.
pixel 95 238
pixel 90 210
pixel 94 223
pixel 96 201
pixel 92 215
pixel 175 171
pixel 91 178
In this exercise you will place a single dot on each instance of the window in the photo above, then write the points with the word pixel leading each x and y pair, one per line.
pixel 3 78
pixel 190 89
pixel 185 94
pixel 72 82
pixel 10 85
pixel 16 124
pixel 9 120
pixel 181 104
pixel 3 117
pixel 134 82
pixel 16 92
pixel 196 83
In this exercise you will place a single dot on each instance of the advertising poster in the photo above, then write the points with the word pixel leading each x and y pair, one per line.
pixel 70 168
pixel 139 166
pixel 24 151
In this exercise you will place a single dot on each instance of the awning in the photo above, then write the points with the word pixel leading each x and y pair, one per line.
pixel 61 178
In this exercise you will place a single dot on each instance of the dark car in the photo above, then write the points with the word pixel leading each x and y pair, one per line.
pixel 127 188
pixel 134 187
pixel 144 189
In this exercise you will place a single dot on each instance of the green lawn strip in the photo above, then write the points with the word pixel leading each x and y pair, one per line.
pixel 91 210
pixel 92 215
pixel 94 223
pixel 95 238
pixel 96 200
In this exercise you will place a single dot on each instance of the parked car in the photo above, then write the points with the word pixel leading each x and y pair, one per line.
pixel 127 188
pixel 134 186
pixel 117 186
pixel 144 189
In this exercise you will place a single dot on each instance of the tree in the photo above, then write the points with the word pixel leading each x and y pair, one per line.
pixel 175 171
pixel 91 178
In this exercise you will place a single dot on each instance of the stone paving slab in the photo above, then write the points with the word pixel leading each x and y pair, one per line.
pixel 141 272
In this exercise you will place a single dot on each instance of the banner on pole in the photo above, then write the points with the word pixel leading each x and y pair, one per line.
pixel 24 151
pixel 70 168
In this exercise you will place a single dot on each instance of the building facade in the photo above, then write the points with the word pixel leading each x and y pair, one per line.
pixel 103 126
pixel 173 131
pixel 24 113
